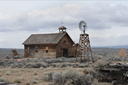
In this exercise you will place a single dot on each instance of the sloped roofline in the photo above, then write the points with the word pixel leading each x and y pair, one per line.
pixel 68 36
pixel 48 34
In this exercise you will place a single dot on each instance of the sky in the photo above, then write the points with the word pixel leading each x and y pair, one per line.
pixel 107 20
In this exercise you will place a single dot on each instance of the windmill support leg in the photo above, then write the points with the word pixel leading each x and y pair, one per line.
pixel 81 58
pixel 88 56
pixel 84 43
pixel 91 56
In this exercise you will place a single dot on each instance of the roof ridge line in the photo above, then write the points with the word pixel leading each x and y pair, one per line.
pixel 57 36
pixel 45 34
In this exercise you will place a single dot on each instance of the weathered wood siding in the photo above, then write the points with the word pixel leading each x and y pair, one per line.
pixel 67 45
pixel 41 51
pixel 54 50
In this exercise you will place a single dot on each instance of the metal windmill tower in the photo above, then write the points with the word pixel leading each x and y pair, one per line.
pixel 84 47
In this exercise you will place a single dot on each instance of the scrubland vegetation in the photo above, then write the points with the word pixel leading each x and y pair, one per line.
pixel 59 71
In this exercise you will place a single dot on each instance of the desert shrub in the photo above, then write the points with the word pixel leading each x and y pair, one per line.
pixel 100 63
pixel 29 65
pixel 35 77
pixel 58 78
pixel 22 78
pixel 48 76
pixel 36 65
pixel 27 84
pixel 82 65
pixel 3 80
pixel 90 71
pixel 80 80
pixel 35 81
pixel 49 61
pixel 89 79
pixel 17 80
pixel 122 53
pixel 83 80
pixel 70 74
pixel 20 73
pixel 35 59
pixel 113 58
pixel 17 65
pixel 85 71
pixel 7 72
pixel 45 78
pixel 35 73
pixel 41 68
pixel 62 78
pixel 75 65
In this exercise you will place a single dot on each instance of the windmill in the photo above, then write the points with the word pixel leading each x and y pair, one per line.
pixel 84 47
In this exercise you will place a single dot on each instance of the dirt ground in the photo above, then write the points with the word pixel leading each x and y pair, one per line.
pixel 27 75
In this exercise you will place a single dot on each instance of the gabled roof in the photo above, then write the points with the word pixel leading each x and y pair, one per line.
pixel 53 38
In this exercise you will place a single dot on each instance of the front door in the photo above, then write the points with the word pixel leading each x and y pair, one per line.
pixel 65 52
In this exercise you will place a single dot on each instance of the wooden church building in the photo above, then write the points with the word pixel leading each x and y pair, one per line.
pixel 49 45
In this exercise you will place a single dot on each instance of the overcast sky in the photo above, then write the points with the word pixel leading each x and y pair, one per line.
pixel 107 21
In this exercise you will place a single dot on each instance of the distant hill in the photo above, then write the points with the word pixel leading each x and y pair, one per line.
pixel 119 46
pixel 9 49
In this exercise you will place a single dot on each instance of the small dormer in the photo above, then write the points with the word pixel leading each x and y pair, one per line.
pixel 62 29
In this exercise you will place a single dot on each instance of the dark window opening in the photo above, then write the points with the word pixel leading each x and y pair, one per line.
pixel 46 51
pixel 64 41
pixel 76 45
pixel 36 50
pixel 28 49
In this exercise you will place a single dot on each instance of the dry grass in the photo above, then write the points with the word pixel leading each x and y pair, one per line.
pixel 27 75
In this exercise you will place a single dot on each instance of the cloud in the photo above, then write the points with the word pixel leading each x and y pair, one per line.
pixel 97 16
pixel 106 23
pixel 2 40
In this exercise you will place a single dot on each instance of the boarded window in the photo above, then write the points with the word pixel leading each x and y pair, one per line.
pixel 28 49
pixel 36 50
pixel 46 49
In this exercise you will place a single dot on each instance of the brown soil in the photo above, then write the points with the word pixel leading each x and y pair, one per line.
pixel 27 74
